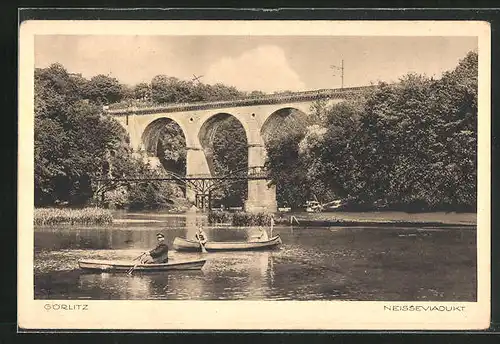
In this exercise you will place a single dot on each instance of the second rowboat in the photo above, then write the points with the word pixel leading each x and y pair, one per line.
pixel 181 244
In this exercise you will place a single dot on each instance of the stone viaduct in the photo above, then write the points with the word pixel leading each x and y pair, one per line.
pixel 199 121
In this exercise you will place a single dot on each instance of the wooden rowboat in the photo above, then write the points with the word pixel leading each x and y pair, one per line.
pixel 181 244
pixel 124 266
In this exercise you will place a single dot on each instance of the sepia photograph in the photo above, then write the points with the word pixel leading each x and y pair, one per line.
pixel 293 170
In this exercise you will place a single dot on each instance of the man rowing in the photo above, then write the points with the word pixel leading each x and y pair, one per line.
pixel 159 254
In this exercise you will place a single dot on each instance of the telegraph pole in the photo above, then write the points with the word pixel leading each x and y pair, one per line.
pixel 341 68
pixel 197 78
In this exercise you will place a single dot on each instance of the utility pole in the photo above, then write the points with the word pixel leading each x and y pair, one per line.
pixel 341 68
pixel 197 78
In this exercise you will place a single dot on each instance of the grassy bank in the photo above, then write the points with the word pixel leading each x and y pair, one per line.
pixel 242 219
pixel 85 216
pixel 326 220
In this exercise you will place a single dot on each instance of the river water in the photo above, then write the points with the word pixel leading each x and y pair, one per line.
pixel 320 263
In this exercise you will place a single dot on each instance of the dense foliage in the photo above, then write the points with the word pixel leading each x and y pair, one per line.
pixel 75 144
pixel 411 145
pixel 287 170
pixel 165 89
pixel 239 218
pixel 230 154
pixel 171 148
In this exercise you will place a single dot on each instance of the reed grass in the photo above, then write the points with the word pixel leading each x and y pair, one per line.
pixel 251 219
pixel 219 217
pixel 85 216
pixel 239 218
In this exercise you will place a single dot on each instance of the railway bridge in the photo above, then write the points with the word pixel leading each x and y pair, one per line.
pixel 259 116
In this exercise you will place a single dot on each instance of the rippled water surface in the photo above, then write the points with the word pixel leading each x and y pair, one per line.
pixel 337 263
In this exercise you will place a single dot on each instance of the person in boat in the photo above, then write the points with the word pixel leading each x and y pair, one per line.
pixel 159 254
pixel 260 236
pixel 201 236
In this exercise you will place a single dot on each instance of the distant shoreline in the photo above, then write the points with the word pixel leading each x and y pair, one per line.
pixel 324 219
pixel 362 223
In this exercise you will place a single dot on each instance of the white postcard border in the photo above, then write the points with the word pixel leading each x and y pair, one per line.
pixel 319 315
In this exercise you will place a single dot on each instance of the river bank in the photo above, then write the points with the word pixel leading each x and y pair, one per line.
pixel 97 216
pixel 389 219
pixel 326 219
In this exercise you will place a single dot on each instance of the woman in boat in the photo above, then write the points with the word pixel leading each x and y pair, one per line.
pixel 201 236
pixel 159 254
pixel 260 236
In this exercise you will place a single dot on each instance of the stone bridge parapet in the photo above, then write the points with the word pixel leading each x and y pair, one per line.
pixel 305 96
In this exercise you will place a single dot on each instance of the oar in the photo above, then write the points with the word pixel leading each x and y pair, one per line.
pixel 142 254
pixel 203 249
pixel 129 272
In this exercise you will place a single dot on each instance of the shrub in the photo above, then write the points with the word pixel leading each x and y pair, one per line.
pixel 154 195
pixel 250 219
pixel 220 217
pixel 239 218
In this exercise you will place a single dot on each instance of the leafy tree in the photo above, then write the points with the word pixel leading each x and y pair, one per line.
pixel 327 151
pixel 411 145
pixel 223 92
pixel 287 171
pixel 256 94
pixel 150 195
pixel 166 89
pixel 142 91
pixel 171 148
pixel 102 89
pixel 230 154
pixel 75 144
pixel 282 134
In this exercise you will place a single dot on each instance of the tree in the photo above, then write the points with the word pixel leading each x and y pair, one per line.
pixel 327 149
pixel 164 89
pixel 282 134
pixel 410 146
pixel 149 195
pixel 75 143
pixel 142 91
pixel 256 94
pixel 230 154
pixel 104 90
pixel 287 171
pixel 171 148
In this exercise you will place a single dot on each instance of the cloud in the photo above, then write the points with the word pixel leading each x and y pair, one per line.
pixel 264 68
pixel 131 59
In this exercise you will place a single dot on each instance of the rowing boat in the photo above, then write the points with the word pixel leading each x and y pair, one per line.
pixel 181 244
pixel 124 266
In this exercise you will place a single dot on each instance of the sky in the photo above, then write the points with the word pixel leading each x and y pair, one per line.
pixel 265 63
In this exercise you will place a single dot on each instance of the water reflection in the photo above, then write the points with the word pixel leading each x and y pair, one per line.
pixel 259 275
pixel 132 237
pixel 312 264
pixel 123 286
pixel 244 281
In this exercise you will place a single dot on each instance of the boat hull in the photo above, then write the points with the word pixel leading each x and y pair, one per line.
pixel 124 266
pixel 181 244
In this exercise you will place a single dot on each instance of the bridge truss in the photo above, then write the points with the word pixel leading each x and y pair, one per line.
pixel 202 185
